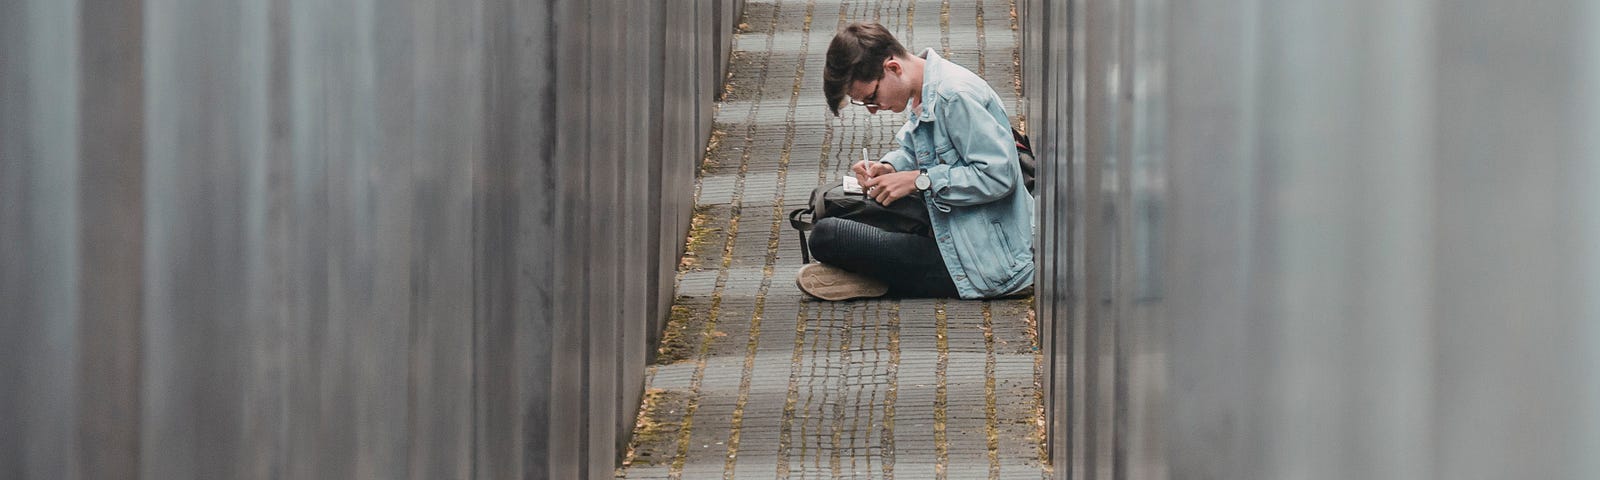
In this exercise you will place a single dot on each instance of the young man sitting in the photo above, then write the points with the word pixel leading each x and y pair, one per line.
pixel 956 148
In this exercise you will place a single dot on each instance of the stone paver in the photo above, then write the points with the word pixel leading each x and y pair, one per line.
pixel 766 383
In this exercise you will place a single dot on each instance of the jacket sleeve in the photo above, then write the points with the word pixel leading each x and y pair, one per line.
pixel 902 158
pixel 988 171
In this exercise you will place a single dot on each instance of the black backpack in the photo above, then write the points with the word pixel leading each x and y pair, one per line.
pixel 906 215
pixel 1030 166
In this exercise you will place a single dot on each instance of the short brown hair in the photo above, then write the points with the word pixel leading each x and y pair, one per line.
pixel 856 54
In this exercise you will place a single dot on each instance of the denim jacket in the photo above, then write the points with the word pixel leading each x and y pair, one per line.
pixel 982 214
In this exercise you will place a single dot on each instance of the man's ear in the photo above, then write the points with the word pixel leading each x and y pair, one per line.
pixel 892 65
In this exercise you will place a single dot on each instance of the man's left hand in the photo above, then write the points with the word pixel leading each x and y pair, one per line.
pixel 892 186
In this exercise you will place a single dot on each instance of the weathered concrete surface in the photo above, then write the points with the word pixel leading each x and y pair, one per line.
pixel 308 239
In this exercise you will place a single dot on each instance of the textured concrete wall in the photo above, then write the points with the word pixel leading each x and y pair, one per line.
pixel 1318 238
pixel 340 239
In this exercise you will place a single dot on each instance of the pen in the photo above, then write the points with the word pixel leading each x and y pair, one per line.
pixel 865 167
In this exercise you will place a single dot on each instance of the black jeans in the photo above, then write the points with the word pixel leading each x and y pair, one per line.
pixel 909 264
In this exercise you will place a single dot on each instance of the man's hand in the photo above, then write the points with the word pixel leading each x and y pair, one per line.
pixel 888 187
pixel 865 170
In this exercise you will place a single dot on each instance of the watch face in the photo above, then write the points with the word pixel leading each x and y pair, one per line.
pixel 922 182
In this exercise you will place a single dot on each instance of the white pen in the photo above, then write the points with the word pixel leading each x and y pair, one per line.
pixel 865 167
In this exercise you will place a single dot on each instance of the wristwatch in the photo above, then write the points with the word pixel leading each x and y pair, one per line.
pixel 923 182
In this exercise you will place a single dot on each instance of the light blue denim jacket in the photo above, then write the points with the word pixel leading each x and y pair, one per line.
pixel 982 214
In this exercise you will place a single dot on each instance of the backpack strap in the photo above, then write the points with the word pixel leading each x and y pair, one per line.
pixel 801 227
pixel 1026 160
pixel 1022 141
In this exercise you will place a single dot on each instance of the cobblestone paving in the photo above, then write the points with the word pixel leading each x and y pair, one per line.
pixel 758 381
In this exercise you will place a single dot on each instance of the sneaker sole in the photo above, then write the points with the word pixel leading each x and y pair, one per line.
pixel 831 284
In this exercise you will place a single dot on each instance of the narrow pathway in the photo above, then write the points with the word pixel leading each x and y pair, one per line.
pixel 755 380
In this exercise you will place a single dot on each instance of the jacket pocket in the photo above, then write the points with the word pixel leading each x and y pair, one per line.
pixel 997 234
pixel 946 153
pixel 949 156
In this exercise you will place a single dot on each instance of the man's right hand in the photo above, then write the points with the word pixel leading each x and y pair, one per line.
pixel 865 170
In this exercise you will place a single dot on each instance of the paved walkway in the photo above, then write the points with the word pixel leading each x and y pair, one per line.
pixel 757 381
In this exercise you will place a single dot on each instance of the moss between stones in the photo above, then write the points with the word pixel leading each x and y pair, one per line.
pixel 676 341
pixel 656 431
pixel 699 234
pixel 709 165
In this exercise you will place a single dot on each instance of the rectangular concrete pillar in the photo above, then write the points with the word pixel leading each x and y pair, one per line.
pixel 341 239
pixel 1317 239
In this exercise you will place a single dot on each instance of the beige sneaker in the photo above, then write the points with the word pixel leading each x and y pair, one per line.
pixel 832 283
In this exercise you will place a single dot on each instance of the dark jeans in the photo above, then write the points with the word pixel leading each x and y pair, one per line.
pixel 909 264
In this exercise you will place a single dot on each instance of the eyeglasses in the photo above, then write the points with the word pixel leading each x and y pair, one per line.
pixel 871 101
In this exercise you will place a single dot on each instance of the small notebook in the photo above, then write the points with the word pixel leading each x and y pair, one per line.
pixel 851 185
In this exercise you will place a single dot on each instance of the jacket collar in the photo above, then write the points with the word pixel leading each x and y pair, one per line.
pixel 932 73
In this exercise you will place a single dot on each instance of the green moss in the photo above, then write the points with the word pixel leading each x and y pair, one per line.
pixel 699 234
pixel 709 164
pixel 655 431
pixel 677 342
